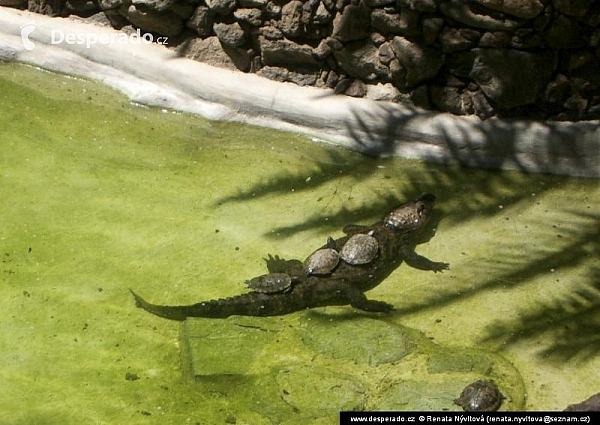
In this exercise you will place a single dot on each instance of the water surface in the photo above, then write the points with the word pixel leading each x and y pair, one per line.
pixel 99 195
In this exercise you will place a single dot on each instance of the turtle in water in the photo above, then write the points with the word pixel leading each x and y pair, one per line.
pixel 360 249
pixel 480 396
pixel 322 261
pixel 271 283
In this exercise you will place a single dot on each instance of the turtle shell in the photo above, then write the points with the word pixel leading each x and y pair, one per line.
pixel 270 283
pixel 480 396
pixel 360 249
pixel 322 261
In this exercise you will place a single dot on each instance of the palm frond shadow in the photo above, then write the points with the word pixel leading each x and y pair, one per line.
pixel 284 181
pixel 571 323
pixel 485 144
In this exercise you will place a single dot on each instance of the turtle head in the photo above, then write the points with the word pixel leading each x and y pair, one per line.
pixel 410 216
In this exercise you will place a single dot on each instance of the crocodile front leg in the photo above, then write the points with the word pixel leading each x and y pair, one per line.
pixel 419 262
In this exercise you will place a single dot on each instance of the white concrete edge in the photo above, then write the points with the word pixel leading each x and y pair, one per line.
pixel 153 75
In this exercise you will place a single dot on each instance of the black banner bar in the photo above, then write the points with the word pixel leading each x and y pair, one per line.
pixel 469 418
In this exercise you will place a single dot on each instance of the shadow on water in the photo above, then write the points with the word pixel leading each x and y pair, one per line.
pixel 570 323
pixel 485 144
pixel 573 321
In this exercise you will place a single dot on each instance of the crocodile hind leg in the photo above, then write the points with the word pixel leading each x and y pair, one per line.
pixel 341 293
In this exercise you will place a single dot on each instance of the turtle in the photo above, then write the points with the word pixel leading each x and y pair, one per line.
pixel 271 283
pixel 480 396
pixel 322 261
pixel 361 248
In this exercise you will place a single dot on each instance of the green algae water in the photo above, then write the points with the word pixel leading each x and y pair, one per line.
pixel 99 196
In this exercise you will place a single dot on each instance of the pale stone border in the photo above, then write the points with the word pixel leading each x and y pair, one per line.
pixel 153 75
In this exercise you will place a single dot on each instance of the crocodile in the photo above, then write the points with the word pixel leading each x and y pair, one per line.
pixel 346 284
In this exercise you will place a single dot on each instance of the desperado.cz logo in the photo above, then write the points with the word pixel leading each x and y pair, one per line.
pixel 26 29
pixel 89 39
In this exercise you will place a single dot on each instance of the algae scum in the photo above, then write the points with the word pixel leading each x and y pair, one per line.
pixel 99 195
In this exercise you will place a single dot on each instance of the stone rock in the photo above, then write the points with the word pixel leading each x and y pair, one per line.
pixel 45 7
pixel 211 51
pixel 356 89
pixel 563 33
pixel 13 3
pixel 377 38
pixel 309 9
pixel 353 23
pixel 322 15
pixel 342 85
pixel 273 10
pixel 385 54
pixel 461 102
pixel 163 23
pixel 576 8
pixel 527 9
pixel 183 9
pixel 82 8
pixel 393 342
pixel 378 3
pixel 230 34
pixel 201 21
pixel 420 97
pixel 251 16
pixel 271 33
pixel 284 75
pixel 494 39
pixel 385 22
pixel 99 18
pixel 253 3
pixel 420 5
pixel 448 99
pixel 398 73
pixel 393 23
pixel 461 12
pixel 384 92
pixel 576 102
pixel 421 62
pixel 526 38
pixel 286 53
pixel 431 29
pixel 454 40
pixel 222 7
pixel 511 77
pixel 595 38
pixel 322 50
pixel 110 4
pixel 334 391
pixel 460 64
pixel 359 59
pixel 291 19
pixel 155 5
pixel 116 19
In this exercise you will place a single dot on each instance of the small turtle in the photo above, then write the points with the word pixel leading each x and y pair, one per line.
pixel 323 260
pixel 360 249
pixel 270 283
pixel 480 396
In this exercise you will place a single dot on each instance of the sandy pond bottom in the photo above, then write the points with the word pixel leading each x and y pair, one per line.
pixel 99 196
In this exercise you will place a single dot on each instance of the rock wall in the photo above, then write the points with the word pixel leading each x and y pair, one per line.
pixel 537 59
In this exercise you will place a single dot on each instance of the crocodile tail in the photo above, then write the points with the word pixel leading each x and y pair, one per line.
pixel 249 304
pixel 164 311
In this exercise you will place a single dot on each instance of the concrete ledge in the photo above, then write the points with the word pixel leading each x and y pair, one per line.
pixel 153 75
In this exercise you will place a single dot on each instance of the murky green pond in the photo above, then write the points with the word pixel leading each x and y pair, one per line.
pixel 99 196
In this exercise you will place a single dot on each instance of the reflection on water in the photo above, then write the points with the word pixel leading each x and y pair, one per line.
pixel 185 210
